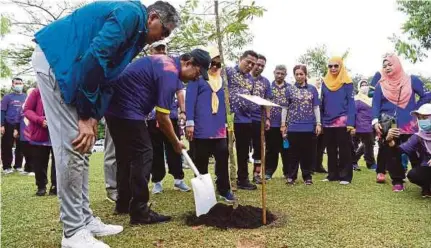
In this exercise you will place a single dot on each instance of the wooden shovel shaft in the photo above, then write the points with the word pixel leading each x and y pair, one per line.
pixel 262 154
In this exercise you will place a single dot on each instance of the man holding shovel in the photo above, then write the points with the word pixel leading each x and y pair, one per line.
pixel 146 83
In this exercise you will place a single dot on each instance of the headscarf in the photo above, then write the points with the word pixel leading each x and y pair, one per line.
pixel 361 96
pixel 214 81
pixel 335 82
pixel 397 88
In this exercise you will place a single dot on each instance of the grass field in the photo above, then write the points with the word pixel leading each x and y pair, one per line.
pixel 363 214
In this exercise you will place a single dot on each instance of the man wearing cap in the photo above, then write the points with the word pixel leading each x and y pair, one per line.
pixel 146 83
pixel 161 143
pixel 75 59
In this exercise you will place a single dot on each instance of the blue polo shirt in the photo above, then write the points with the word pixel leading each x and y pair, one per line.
pixel 174 109
pixel 146 83
pixel 199 111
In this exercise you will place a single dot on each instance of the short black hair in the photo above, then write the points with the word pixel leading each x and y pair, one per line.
pixel 167 12
pixel 185 57
pixel 249 52
pixel 260 56
pixel 16 79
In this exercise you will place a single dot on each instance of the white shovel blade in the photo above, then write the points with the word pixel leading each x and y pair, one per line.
pixel 203 190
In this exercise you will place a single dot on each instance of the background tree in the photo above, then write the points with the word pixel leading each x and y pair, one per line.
pixel 38 14
pixel 417 28
pixel 4 29
pixel 198 26
pixel 316 60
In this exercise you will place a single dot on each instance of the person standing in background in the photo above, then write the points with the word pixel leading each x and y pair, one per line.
pixel 260 87
pixel 320 141
pixel 239 83
pixel 302 126
pixel 38 135
pixel 338 108
pixel 363 129
pixel 160 142
pixel 274 138
pixel 25 142
pixel 11 109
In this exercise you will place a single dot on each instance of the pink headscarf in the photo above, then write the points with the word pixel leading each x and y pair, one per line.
pixel 391 84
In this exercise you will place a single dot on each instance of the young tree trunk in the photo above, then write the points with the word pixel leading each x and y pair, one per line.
pixel 229 115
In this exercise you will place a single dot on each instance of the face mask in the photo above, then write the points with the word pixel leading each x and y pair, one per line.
pixel 18 88
pixel 364 89
pixel 425 125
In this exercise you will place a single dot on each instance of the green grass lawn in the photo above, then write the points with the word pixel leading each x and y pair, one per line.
pixel 363 214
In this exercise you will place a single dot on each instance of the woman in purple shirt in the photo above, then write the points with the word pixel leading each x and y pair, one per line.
pixel 303 124
pixel 363 129
pixel 419 143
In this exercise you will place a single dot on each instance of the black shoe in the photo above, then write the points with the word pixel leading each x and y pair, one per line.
pixel 148 217
pixel 41 192
pixel 53 190
pixel 426 192
pixel 320 170
pixel 119 210
pixel 356 167
pixel 246 185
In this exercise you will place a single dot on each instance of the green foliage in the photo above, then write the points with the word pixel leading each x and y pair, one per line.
pixel 198 29
pixel 417 28
pixel 4 29
pixel 316 60
pixel 39 13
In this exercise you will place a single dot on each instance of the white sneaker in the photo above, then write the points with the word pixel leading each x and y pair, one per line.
pixel 20 169
pixel 344 182
pixel 99 229
pixel 82 239
pixel 31 174
pixel 325 180
pixel 7 171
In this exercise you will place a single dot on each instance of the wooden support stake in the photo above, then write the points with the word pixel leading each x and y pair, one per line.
pixel 262 170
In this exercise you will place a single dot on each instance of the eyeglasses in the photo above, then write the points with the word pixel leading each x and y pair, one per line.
pixel 160 48
pixel 165 31
pixel 216 64
pixel 333 66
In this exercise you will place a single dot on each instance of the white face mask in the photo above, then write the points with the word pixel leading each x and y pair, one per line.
pixel 364 90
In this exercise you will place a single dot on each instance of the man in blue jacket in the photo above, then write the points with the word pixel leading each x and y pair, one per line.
pixel 75 60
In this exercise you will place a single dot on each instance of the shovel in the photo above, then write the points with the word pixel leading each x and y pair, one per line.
pixel 203 188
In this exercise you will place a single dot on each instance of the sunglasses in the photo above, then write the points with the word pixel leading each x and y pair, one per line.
pixel 216 64
pixel 333 66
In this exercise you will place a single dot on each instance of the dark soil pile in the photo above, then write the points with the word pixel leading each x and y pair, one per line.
pixel 225 216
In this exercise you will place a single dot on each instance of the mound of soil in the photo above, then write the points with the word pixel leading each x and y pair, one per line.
pixel 225 216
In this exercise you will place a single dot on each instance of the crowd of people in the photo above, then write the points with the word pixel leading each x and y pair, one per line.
pixel 148 102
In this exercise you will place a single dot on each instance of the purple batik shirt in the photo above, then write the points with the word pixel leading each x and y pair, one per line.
pixel 261 87
pixel 302 100
pixel 239 83
pixel 278 97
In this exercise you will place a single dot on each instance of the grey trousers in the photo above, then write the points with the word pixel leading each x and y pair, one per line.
pixel 110 161
pixel 71 166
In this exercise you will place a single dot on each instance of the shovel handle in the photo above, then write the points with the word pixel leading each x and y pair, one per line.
pixel 190 162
